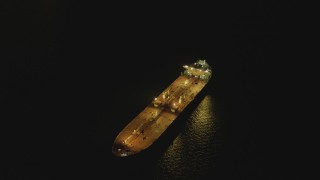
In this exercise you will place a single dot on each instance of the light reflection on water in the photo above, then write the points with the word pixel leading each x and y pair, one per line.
pixel 192 153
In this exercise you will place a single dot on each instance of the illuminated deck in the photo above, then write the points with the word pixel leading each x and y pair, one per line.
pixel 147 126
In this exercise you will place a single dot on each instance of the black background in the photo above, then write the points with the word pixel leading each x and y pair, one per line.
pixel 67 64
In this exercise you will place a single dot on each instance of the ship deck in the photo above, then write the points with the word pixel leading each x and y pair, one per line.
pixel 148 125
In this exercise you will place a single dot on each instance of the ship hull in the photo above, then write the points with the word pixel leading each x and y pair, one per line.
pixel 155 119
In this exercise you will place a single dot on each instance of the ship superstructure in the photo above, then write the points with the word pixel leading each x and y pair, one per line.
pixel 148 125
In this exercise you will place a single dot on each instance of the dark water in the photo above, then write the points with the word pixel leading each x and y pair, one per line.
pixel 76 73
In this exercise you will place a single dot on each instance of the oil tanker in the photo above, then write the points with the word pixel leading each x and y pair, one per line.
pixel 153 121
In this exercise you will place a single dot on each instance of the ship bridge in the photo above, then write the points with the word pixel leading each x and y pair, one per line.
pixel 199 69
